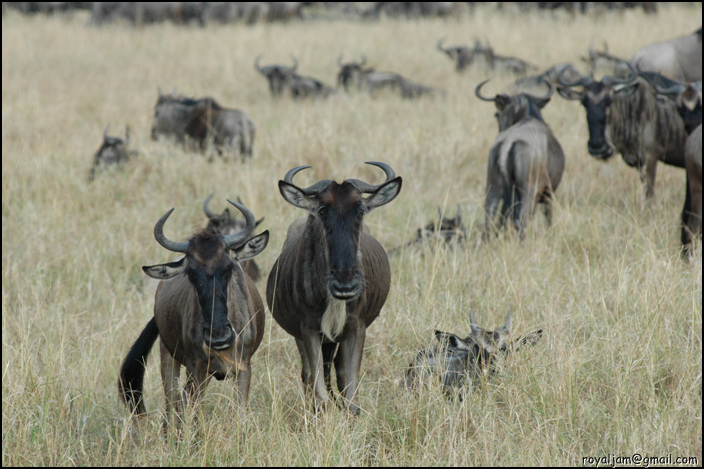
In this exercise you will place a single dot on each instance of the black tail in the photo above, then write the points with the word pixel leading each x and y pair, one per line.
pixel 131 378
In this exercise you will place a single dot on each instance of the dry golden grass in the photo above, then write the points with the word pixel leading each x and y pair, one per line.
pixel 618 371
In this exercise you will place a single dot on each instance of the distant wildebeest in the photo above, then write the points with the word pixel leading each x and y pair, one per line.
pixel 355 74
pixel 462 55
pixel 484 56
pixel 113 152
pixel 331 279
pixel 602 62
pixel 624 115
pixel 411 9
pixel 459 364
pixel 138 13
pixel 679 58
pixel 525 162
pixel 203 120
pixel 450 231
pixel 207 313
pixel 226 225
pixel 282 78
pixel 535 81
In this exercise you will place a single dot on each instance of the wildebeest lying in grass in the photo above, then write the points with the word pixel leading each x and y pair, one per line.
pixel 207 312
pixel 525 162
pixel 203 121
pixel 459 364
pixel 226 225
pixel 113 152
pixel 451 231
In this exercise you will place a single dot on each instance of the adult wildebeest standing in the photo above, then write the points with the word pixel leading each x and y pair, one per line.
pixel 460 364
pixel 679 58
pixel 113 151
pixel 226 225
pixel 525 162
pixel 203 120
pixel 331 279
pixel 623 114
pixel 207 312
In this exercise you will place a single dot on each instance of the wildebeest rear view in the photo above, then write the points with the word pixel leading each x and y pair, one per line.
pixel 203 121
pixel 331 279
pixel 207 313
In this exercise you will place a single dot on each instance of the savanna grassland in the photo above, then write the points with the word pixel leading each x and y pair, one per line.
pixel 619 369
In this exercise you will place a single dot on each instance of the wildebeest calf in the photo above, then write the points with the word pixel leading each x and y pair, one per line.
pixel 113 151
pixel 458 364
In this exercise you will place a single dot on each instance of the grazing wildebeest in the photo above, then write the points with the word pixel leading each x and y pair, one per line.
pixel 113 151
pixel 354 73
pixel 623 114
pixel 525 162
pixel 679 58
pixel 207 312
pixel 204 120
pixel 226 225
pixel 459 364
pixel 282 78
pixel 451 231
pixel 331 279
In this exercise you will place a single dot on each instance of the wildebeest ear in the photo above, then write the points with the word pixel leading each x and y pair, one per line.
pixel 627 89
pixel 295 196
pixel 453 342
pixel 165 271
pixel 569 93
pixel 252 247
pixel 527 340
pixel 384 194
pixel 541 102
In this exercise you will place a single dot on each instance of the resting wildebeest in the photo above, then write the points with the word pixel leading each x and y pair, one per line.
pixel 483 55
pixel 525 162
pixel 462 55
pixel 203 120
pixel 550 75
pixel 679 58
pixel 602 61
pixel 460 364
pixel 451 231
pixel 282 78
pixel 207 312
pixel 354 73
pixel 331 279
pixel 624 115
pixel 226 225
pixel 113 151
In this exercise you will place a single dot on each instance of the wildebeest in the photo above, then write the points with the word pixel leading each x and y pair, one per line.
pixel 450 231
pixel 459 364
pixel 483 55
pixel 355 74
pixel 226 225
pixel 679 58
pixel 623 114
pixel 331 279
pixel 203 120
pixel 282 78
pixel 535 81
pixel 207 313
pixel 525 162
pixel 603 62
pixel 462 55
pixel 113 151
pixel 692 211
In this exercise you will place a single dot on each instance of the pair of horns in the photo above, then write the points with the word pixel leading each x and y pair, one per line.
pixel 361 185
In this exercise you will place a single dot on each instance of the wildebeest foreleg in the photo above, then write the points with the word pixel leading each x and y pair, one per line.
pixel 348 363
pixel 647 176
pixel 170 370
pixel 312 342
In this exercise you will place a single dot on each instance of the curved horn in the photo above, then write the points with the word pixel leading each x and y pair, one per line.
pixel 256 64
pixel 479 95
pixel 163 240
pixel 237 238
pixel 105 132
pixel 671 91
pixel 472 322
pixel 339 61
pixel 364 60
pixel 551 90
pixel 440 43
pixel 610 80
pixel 295 64
pixel 207 211
pixel 458 217
pixel 369 188
pixel 314 189
pixel 582 81
pixel 507 324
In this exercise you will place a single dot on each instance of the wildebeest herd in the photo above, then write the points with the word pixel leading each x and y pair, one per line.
pixel 332 277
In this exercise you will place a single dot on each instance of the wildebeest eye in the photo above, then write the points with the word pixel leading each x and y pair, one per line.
pixel 322 210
